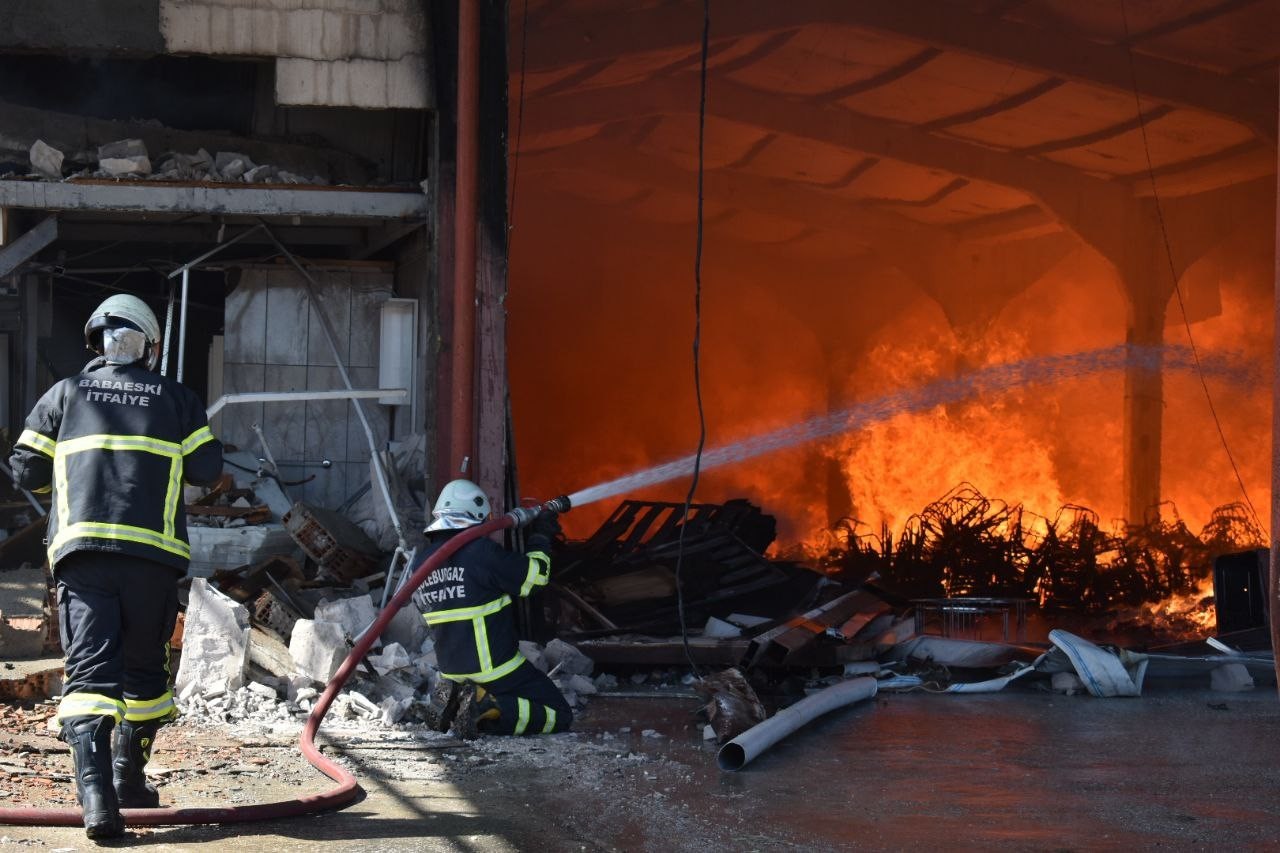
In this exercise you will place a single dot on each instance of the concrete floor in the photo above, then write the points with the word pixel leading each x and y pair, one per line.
pixel 1176 769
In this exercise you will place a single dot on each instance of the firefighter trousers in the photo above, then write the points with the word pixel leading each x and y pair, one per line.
pixel 116 615
pixel 529 702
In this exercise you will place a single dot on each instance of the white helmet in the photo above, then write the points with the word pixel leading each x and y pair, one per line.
pixel 461 504
pixel 123 306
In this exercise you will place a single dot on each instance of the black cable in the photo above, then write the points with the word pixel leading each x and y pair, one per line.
pixel 1173 269
pixel 697 334
pixel 515 157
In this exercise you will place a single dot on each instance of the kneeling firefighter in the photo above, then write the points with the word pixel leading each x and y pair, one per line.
pixel 486 685
pixel 114 445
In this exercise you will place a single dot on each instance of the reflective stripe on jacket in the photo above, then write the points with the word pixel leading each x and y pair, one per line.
pixel 115 444
pixel 468 604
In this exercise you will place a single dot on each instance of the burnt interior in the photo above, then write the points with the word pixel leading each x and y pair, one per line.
pixel 895 196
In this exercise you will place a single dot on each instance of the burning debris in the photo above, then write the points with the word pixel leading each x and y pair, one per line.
pixel 965 544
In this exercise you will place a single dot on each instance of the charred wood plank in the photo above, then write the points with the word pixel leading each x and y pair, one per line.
pixel 781 643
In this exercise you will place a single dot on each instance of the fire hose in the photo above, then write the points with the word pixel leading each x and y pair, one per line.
pixel 347 789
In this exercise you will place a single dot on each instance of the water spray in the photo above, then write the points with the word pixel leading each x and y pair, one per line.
pixel 988 381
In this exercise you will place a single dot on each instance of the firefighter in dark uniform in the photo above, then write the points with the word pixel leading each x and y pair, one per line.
pixel 486 684
pixel 114 444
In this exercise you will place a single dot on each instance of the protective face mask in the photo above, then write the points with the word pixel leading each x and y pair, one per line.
pixel 123 346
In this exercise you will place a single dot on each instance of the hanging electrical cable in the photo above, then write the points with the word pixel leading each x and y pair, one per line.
pixel 697 334
pixel 515 155
pixel 1173 269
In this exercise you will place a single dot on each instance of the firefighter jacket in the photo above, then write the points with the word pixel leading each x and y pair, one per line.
pixel 468 600
pixel 115 444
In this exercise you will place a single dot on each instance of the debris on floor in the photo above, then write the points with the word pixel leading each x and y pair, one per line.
pixel 129 159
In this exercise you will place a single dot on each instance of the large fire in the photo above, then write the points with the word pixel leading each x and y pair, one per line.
pixel 601 378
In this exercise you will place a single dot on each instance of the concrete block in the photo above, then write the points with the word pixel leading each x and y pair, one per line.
pixel 353 614
pixel 393 657
pixel 1231 678
pixel 232 166
pixel 406 628
pixel 566 660
pixel 533 654
pixel 582 685
pixel 360 83
pixel 215 642
pixel 317 648
pixel 46 159
pixel 393 710
pixel 214 548
pixel 124 157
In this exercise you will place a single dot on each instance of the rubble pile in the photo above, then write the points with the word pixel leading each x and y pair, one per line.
pixel 128 159
pixel 227 505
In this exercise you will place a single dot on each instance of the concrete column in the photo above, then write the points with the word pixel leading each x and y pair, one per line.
pixel 1143 395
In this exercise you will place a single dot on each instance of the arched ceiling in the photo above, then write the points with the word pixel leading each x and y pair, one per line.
pixel 872 118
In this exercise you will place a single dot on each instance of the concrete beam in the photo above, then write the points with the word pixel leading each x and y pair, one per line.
pixel 241 201
pixel 121 27
pixel 28 245
pixel 1075 198
pixel 787 199
pixel 928 22
pixel 188 233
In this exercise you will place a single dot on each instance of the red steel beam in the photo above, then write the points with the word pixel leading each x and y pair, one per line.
pixel 462 390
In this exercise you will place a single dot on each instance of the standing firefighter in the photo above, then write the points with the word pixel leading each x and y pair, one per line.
pixel 115 444
pixel 486 685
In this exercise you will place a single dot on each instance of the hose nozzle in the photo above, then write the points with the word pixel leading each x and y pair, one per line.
pixel 524 515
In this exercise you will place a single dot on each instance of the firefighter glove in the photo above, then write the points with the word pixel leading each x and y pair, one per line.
pixel 543 530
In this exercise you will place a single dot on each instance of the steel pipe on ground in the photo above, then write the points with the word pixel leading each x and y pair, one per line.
pixel 740 751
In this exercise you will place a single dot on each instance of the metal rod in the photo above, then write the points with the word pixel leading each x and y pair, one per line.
pixel 293 396
pixel 168 332
pixel 332 340
pixel 182 323
pixel 215 250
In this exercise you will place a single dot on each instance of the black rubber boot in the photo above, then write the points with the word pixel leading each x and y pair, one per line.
pixel 130 755
pixel 90 742
pixel 443 704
